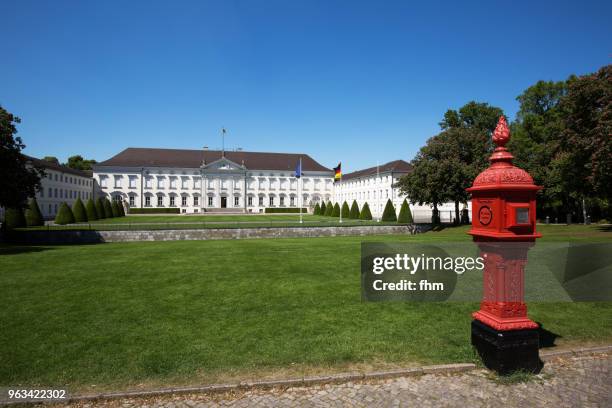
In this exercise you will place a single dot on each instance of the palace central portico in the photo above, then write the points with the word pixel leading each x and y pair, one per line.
pixel 211 180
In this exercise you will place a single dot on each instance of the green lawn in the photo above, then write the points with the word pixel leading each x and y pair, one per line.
pixel 152 222
pixel 128 314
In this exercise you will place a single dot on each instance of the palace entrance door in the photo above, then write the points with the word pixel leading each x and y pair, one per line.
pixel 223 202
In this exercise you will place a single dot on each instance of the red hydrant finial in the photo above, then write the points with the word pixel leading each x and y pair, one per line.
pixel 501 135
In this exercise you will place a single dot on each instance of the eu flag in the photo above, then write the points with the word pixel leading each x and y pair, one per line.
pixel 298 169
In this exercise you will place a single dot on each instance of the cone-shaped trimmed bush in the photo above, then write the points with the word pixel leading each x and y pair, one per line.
pixel 33 216
pixel 317 209
pixel 365 212
pixel 90 210
pixel 405 215
pixel 389 212
pixel 100 208
pixel 354 214
pixel 64 215
pixel 121 209
pixel 336 210
pixel 323 208
pixel 465 217
pixel 108 209
pixel 345 211
pixel 14 218
pixel 329 209
pixel 115 208
pixel 79 212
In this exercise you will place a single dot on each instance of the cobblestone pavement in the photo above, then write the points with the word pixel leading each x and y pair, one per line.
pixel 565 382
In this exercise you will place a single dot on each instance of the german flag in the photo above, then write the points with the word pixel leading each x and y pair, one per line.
pixel 338 172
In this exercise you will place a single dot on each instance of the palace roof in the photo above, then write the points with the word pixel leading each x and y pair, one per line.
pixel 395 166
pixel 180 158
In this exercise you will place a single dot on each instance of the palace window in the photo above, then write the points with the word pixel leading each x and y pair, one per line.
pixel 236 201
pixel 173 182
pixel 171 201
pixel 147 201
pixel 149 182
pixel 196 201
pixel 282 201
pixel 261 201
pixel 271 201
pixel 292 201
pixel 131 201
pixel 250 201
pixel 183 201
pixel 103 182
pixel 160 201
pixel 210 201
pixel 132 182
pixel 117 181
pixel 196 183
pixel 160 182
pixel 184 183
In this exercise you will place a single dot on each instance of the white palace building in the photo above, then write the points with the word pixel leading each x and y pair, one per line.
pixel 197 181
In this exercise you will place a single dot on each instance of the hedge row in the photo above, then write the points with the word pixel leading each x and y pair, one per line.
pixel 155 210
pixel 285 210
pixel 333 210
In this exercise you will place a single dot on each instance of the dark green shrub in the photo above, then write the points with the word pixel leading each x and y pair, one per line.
pixel 465 217
pixel 389 212
pixel 329 209
pixel 354 214
pixel 100 208
pixel 115 209
pixel 405 215
pixel 13 218
pixel 64 215
pixel 323 208
pixel 336 210
pixel 317 209
pixel 108 209
pixel 345 211
pixel 291 210
pixel 90 210
pixel 79 212
pixel 160 210
pixel 365 212
pixel 33 216
pixel 121 209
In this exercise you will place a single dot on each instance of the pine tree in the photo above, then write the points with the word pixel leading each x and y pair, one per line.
pixel 33 216
pixel 329 209
pixel 115 208
pixel 79 212
pixel 345 211
pixel 389 212
pixel 336 210
pixel 354 214
pixel 100 212
pixel 108 209
pixel 405 216
pixel 13 218
pixel 317 209
pixel 64 215
pixel 365 212
pixel 323 208
pixel 90 210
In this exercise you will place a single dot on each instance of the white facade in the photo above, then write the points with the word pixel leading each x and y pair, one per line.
pixel 222 184
pixel 61 184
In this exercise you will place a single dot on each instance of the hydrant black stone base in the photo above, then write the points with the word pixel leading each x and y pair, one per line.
pixel 507 351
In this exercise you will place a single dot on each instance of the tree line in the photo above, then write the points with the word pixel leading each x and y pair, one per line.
pixel 561 135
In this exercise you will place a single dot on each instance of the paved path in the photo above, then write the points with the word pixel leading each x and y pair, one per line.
pixel 565 382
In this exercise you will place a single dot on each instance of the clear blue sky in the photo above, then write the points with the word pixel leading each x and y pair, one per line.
pixel 354 81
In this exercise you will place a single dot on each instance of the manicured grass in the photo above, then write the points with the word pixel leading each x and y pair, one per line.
pixel 156 222
pixel 119 315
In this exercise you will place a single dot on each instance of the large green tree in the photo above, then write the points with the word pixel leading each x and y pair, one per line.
pixel 473 115
pixel 78 163
pixel 19 179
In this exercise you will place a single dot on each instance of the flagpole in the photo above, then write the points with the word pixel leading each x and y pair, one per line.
pixel 376 193
pixel 300 191
pixel 340 196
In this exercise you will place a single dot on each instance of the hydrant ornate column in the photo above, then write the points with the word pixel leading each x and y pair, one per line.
pixel 503 227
